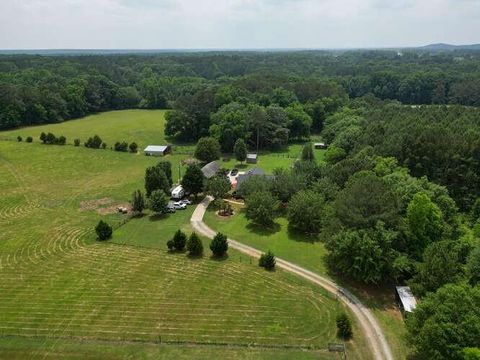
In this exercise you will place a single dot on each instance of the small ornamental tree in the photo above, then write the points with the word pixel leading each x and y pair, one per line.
pixel 194 245
pixel 179 240
pixel 344 327
pixel 104 145
pixel 219 245
pixel 133 147
pixel 208 149
pixel 158 201
pixel 29 139
pixel 307 153
pixel 43 137
pixel 193 180
pixel 103 230
pixel 138 202
pixel 240 150
pixel 76 142
pixel 267 261
pixel 19 138
pixel 170 245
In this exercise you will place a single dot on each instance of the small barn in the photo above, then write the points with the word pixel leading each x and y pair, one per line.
pixel 211 169
pixel 320 145
pixel 157 150
pixel 405 299
pixel 252 158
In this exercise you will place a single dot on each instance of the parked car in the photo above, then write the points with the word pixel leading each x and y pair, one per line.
pixel 234 172
pixel 178 205
pixel 170 208
pixel 186 202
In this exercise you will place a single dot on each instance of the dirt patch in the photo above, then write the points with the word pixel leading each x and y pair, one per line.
pixel 114 209
pixel 94 204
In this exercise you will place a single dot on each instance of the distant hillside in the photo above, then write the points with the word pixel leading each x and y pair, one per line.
pixel 450 47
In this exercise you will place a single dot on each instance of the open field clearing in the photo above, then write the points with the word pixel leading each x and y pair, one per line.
pixel 110 126
pixel 62 293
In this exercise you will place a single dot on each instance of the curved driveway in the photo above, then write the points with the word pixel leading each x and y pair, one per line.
pixel 373 332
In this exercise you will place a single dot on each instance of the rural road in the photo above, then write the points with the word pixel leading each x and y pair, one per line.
pixel 377 341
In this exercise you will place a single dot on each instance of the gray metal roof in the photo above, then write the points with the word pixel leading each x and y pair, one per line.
pixel 156 148
pixel 211 169
pixel 406 297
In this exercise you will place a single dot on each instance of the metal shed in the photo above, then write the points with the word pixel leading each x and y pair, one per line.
pixel 157 150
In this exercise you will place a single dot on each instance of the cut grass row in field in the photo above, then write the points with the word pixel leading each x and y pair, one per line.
pixel 37 348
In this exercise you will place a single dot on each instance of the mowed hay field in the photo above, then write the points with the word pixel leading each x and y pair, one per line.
pixel 62 294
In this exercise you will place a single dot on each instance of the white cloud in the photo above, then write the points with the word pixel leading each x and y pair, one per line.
pixel 235 23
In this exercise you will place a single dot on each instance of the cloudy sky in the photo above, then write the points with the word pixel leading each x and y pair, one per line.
pixel 180 24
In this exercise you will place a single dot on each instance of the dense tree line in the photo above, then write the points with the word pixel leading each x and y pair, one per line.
pixel 43 89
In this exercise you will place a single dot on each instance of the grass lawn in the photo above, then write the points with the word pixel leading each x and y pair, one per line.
pixel 154 231
pixel 62 293
pixel 300 250
pixel 310 254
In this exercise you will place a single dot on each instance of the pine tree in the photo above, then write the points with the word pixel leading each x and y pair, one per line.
pixel 344 327
pixel 307 153
pixel 194 245
pixel 267 260
pixel 179 240
pixel 103 230
pixel 138 202
pixel 219 245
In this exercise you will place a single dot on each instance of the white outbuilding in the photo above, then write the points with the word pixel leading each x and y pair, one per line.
pixel 157 150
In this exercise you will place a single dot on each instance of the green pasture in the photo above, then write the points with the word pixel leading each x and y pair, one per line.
pixel 63 293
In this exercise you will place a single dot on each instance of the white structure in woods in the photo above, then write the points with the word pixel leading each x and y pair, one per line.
pixel 406 300
pixel 252 158
pixel 320 145
pixel 178 192
pixel 157 150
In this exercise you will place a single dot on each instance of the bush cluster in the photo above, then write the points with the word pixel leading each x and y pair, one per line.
pixel 51 139
pixel 95 142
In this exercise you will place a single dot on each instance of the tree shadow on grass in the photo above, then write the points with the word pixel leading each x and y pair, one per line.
pixel 300 237
pixel 241 166
pixel 263 230
pixel 375 296
pixel 195 257
pixel 158 217
pixel 219 258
